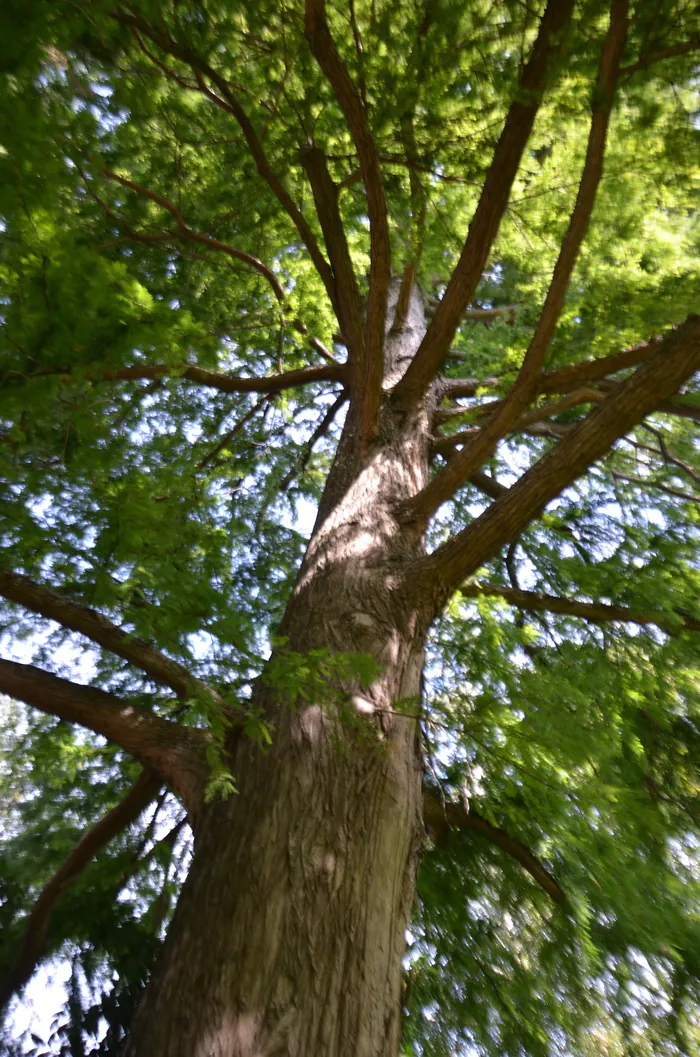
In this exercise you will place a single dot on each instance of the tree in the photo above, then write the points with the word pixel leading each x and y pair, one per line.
pixel 430 269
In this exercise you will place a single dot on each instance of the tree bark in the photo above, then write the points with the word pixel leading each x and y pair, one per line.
pixel 289 934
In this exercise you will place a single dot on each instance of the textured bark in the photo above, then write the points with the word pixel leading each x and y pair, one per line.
pixel 289 935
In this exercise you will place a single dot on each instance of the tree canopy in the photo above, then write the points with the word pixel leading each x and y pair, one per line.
pixel 200 205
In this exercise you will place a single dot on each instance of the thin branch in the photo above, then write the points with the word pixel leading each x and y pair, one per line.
pixel 478 450
pixel 318 433
pixel 368 372
pixel 563 403
pixel 659 486
pixel 487 315
pixel 665 53
pixel 233 432
pixel 668 456
pixel 677 407
pixel 176 753
pixel 39 599
pixel 140 860
pixel 625 407
pixel 442 816
pixel 488 484
pixel 228 101
pixel 492 205
pixel 562 379
pixel 225 383
pixel 536 414
pixel 597 612
pixel 33 946
pixel 186 234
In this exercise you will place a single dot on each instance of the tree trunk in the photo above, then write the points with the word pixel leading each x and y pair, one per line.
pixel 289 934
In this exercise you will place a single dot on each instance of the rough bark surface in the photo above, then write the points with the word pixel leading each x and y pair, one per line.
pixel 289 935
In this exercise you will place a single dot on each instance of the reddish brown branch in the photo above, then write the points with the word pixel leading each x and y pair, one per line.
pixel 368 372
pixel 176 753
pixel 228 101
pixel 562 379
pixel 442 817
pixel 597 612
pixel 536 414
pixel 325 194
pixel 660 376
pixel 39 599
pixel 482 446
pixel 186 233
pixel 225 383
pixel 320 431
pixel 678 408
pixel 33 946
pixel 418 206
pixel 491 207
pixel 488 484
pixel 665 53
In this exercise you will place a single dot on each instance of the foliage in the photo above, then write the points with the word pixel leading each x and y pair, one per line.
pixel 181 510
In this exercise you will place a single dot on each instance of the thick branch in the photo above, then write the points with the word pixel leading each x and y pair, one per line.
pixel 229 102
pixel 325 195
pixel 677 407
pixel 562 379
pixel 482 446
pixel 491 207
pixel 488 484
pixel 368 372
pixel 597 612
pixel 418 197
pixel 626 406
pixel 95 626
pixel 176 753
pixel 225 383
pixel 136 800
pixel 665 53
pixel 536 414
pixel 441 817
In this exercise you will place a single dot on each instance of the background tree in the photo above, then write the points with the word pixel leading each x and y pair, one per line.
pixel 429 269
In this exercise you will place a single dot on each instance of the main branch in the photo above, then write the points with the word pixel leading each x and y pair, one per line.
pixel 625 407
pixel 492 205
pixel 368 372
pixel 174 752
pixel 39 599
pixel 482 446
